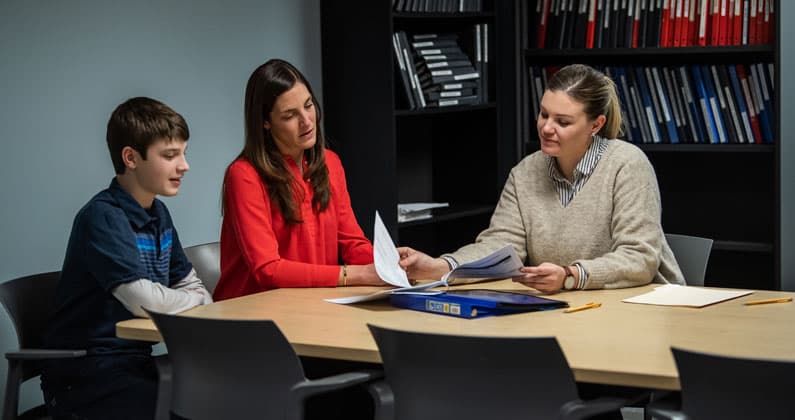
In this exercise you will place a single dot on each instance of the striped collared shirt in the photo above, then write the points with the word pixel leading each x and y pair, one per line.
pixel 567 190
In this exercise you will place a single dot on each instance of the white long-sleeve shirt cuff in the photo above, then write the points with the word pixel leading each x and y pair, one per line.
pixel 186 294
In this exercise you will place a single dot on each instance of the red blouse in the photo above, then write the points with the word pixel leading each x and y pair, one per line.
pixel 259 251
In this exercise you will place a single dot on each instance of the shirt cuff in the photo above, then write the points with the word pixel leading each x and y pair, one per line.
pixel 450 261
pixel 583 277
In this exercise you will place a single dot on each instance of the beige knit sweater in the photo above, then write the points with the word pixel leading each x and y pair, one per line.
pixel 611 227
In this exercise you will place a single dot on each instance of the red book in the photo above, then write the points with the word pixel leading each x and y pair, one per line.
pixel 737 22
pixel 677 32
pixel 702 13
pixel 724 23
pixel 770 22
pixel 752 36
pixel 636 25
pixel 688 14
pixel 665 23
pixel 589 33
pixel 542 7
pixel 750 102
pixel 760 21
pixel 714 22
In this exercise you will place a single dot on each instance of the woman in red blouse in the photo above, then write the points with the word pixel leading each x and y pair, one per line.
pixel 288 220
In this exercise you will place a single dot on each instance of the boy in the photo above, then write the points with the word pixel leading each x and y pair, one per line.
pixel 123 253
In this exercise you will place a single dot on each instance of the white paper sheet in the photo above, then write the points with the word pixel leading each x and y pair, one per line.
pixel 386 256
pixel 677 295
pixel 502 263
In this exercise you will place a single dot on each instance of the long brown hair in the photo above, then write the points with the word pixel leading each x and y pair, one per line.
pixel 595 91
pixel 265 85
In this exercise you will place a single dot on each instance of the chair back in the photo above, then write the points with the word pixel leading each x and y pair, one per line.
pixel 436 376
pixel 229 368
pixel 728 388
pixel 206 259
pixel 692 255
pixel 29 302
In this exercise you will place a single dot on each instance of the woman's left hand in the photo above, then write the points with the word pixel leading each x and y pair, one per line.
pixel 546 277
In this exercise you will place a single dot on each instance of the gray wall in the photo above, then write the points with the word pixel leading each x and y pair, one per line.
pixel 787 146
pixel 66 65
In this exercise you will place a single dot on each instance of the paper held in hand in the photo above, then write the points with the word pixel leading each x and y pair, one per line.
pixel 500 264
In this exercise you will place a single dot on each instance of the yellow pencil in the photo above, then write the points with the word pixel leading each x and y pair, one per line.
pixel 588 305
pixel 764 301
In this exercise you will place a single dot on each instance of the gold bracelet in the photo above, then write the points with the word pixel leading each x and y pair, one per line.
pixel 344 275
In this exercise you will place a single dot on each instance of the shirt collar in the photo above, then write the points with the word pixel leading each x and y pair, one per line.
pixel 138 215
pixel 585 166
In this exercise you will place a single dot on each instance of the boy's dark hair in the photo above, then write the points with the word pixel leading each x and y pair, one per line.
pixel 137 123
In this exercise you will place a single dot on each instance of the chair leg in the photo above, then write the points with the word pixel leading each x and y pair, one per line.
pixel 163 406
pixel 11 400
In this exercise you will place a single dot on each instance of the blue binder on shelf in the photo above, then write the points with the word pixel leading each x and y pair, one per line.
pixel 475 303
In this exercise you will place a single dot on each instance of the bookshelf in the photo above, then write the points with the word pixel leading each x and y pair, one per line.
pixel 394 154
pixel 728 192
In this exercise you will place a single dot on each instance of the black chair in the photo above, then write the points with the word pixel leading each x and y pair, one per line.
pixel 692 254
pixel 239 369
pixel 729 388
pixel 434 376
pixel 29 301
pixel 206 260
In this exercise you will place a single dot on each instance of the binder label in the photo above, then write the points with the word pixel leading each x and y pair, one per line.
pixel 442 307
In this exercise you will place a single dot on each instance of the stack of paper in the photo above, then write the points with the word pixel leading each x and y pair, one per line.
pixel 676 295
pixel 417 211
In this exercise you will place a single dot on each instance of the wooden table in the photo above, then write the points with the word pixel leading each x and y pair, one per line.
pixel 618 344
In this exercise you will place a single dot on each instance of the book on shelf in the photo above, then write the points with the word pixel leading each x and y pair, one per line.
pixel 716 103
pixel 417 211
pixel 741 105
pixel 402 69
pixel 437 6
pixel 714 106
pixel 463 100
pixel 429 65
pixel 459 85
pixel 435 62
pixel 446 94
pixel 651 23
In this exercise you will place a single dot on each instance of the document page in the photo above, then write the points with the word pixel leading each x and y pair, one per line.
pixel 677 295
pixel 500 264
pixel 386 256
pixel 387 266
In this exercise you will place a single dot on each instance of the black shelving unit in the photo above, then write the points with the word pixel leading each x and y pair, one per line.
pixel 728 192
pixel 392 154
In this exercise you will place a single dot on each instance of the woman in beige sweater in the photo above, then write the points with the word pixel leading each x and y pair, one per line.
pixel 584 211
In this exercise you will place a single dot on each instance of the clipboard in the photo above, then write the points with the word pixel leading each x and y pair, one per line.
pixel 475 303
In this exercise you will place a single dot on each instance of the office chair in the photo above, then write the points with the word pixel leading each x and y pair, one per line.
pixel 435 376
pixel 239 369
pixel 692 254
pixel 728 388
pixel 28 301
pixel 206 259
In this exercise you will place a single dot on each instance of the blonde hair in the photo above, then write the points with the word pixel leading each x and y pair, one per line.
pixel 595 91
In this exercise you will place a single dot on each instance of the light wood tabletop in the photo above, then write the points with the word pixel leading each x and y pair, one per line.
pixel 617 343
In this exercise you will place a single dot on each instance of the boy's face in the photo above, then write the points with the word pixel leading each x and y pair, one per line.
pixel 162 171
